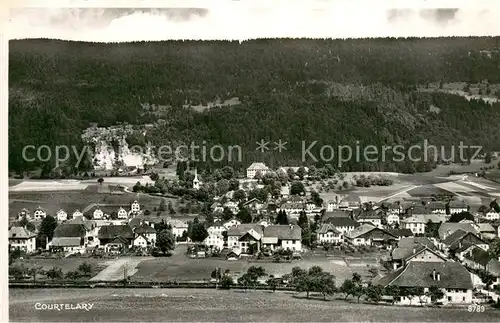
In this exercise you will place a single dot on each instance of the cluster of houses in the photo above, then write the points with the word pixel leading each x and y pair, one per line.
pixel 424 248
pixel 79 234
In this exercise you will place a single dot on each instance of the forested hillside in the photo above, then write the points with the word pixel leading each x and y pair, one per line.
pixel 332 91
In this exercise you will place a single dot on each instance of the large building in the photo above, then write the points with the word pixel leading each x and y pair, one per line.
pixel 22 239
pixel 255 168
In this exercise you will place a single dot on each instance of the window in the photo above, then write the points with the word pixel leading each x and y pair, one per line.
pixel 449 298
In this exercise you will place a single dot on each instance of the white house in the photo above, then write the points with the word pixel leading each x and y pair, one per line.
pixel 178 227
pixel 232 223
pixel 61 215
pixel 392 218
pixel 140 241
pixel 122 214
pixel 39 213
pixel 148 232
pixel 343 224
pixel 457 206
pixel 368 235
pixel 329 234
pixel 255 168
pixel 242 236
pixel 492 215
pixel 214 240
pixel 77 213
pixel 288 237
pixel 135 207
pixel 22 239
pixel 97 214
pixel 418 223
pixel 232 206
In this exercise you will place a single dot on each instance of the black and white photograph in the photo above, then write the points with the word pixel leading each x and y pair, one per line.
pixel 252 161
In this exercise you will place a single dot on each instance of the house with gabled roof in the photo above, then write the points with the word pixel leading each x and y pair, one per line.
pixel 368 234
pixel 214 240
pixel 255 168
pixel 437 207
pixel 342 224
pixel 401 233
pixel 455 240
pixel 448 228
pixel 135 207
pixel 140 240
pixel 457 206
pixel 401 255
pixel 452 278
pixel 68 237
pixel 476 258
pixel 61 215
pixel 329 234
pixel 217 228
pixel 107 234
pixel 76 214
pixel 178 227
pixel 368 216
pixel 418 223
pixel 254 204
pixel 91 230
pixel 39 213
pixel 244 235
pixel 22 239
pixel 148 232
pixel 288 237
pixel 122 214
pixel 231 223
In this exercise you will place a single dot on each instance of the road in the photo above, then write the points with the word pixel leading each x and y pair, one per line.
pixel 409 188
pixel 124 266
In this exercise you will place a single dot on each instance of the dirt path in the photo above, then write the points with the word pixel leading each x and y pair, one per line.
pixel 119 268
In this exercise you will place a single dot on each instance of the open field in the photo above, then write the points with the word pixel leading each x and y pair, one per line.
pixel 74 185
pixel 194 305
pixel 179 267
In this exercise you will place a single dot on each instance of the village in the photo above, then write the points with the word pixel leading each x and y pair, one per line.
pixel 407 251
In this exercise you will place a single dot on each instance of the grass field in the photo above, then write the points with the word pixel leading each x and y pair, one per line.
pixel 181 268
pixel 190 305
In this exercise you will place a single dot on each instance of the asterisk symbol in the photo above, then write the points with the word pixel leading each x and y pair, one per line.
pixel 262 145
pixel 280 145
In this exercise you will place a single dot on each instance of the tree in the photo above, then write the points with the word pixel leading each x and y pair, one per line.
pixel 100 180
pixel 47 227
pixel 26 224
pixel 16 271
pixel 303 221
pixel 282 218
pixel 326 284
pixel 85 268
pixel 54 273
pixel 171 209
pixel 373 272
pixel 198 232
pixel 227 172
pixel 374 293
pixel 72 275
pixel 494 249
pixel 154 176
pixel 222 187
pixel 239 195
pixel 301 172
pixel 316 199
pixel 290 173
pixel 393 291
pixel 227 214
pixel 297 188
pixel 165 241
pixel 246 281
pixel 244 216
pixel 435 294
pixel 487 158
pixel 162 206
pixel 226 282
pixel 272 282
pixel 234 184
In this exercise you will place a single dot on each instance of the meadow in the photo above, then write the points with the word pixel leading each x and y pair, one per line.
pixel 209 305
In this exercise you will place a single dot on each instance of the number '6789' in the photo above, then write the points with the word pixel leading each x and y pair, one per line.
pixel 476 308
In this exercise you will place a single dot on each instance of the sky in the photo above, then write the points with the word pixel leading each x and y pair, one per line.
pixel 240 21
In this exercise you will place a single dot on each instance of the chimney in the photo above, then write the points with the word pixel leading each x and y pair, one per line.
pixel 438 276
pixel 460 244
pixel 414 250
pixel 291 226
pixel 434 274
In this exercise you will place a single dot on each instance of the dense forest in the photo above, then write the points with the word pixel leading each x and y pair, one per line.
pixel 333 91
